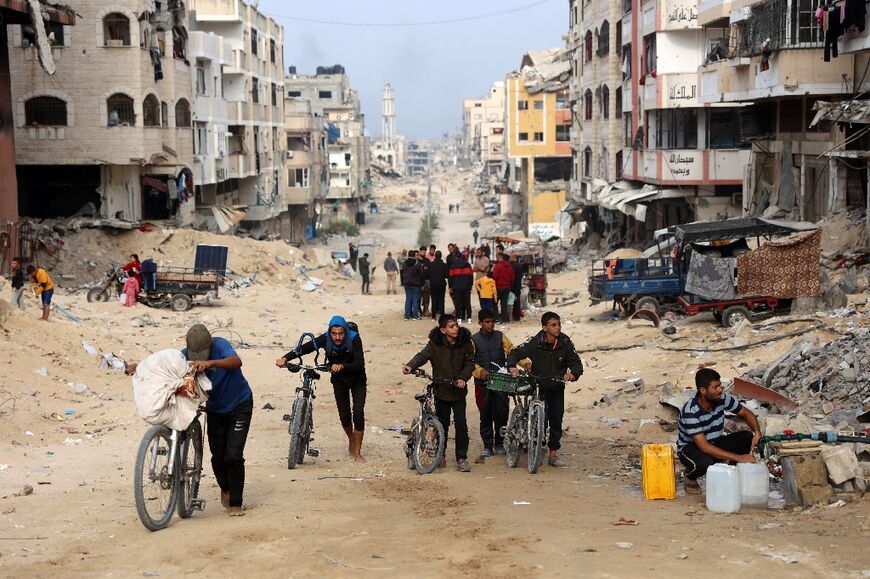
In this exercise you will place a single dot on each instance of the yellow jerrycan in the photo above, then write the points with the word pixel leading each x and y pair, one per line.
pixel 657 465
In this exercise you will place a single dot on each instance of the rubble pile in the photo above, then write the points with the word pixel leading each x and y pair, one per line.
pixel 822 377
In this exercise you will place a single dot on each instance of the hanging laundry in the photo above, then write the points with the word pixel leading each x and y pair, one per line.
pixel 833 31
pixel 855 15
pixel 158 67
pixel 711 277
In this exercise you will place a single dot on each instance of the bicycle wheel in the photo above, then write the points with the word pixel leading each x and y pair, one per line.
pixel 297 415
pixel 513 437
pixel 308 421
pixel 537 429
pixel 191 469
pixel 154 486
pixel 429 445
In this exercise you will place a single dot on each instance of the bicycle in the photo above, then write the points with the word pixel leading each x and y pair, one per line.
pixel 301 417
pixel 426 441
pixel 527 426
pixel 168 473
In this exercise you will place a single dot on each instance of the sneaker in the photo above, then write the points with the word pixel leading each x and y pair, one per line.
pixel 499 450
pixel 556 461
pixel 692 487
pixel 486 452
pixel 462 465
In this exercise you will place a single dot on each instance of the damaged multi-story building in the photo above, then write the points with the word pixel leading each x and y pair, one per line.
pixel 776 62
pixel 537 136
pixel 307 171
pixel 162 110
pixel 483 130
pixel 347 154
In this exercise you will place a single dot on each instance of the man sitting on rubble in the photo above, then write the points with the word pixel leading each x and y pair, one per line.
pixel 701 441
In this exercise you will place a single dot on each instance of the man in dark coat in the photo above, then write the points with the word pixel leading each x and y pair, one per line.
pixel 437 275
pixel 451 354
pixel 461 280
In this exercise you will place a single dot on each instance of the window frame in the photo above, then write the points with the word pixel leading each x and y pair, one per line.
pixel 115 19
pixel 53 108
pixel 151 111
pixel 183 120
pixel 128 108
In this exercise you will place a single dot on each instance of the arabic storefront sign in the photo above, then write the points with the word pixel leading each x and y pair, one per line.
pixel 685 165
pixel 544 230
pixel 680 14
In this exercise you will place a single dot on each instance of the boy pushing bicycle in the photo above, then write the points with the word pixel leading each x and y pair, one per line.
pixel 451 354
pixel 554 362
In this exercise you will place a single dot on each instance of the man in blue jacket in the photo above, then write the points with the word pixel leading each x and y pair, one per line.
pixel 230 406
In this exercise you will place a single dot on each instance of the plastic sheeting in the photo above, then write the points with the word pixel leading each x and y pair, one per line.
pixel 155 383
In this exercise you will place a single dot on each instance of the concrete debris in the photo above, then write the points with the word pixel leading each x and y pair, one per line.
pixel 813 374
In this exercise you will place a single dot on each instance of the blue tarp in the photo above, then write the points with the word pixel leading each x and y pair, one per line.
pixel 332 134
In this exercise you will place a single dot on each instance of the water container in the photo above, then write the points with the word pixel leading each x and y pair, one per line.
pixel 754 485
pixel 723 489
pixel 657 466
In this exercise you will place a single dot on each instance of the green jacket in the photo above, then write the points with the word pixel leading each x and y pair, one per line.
pixel 449 362
pixel 548 360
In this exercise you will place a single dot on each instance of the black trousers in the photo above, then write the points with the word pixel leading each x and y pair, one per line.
pixel 503 293
pixel 437 300
pixel 442 410
pixel 517 309
pixel 555 400
pixel 463 303
pixel 366 284
pixel 697 463
pixel 351 415
pixel 227 434
pixel 493 407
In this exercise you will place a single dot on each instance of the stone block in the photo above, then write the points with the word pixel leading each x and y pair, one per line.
pixel 840 462
pixel 806 482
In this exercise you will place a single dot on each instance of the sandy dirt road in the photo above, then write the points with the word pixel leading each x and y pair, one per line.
pixel 332 517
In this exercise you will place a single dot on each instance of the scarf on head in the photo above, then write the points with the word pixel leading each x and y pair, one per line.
pixel 349 335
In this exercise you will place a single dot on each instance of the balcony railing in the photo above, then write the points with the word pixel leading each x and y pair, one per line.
pixel 779 24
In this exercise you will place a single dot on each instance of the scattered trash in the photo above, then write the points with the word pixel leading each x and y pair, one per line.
pixel 89 348
pixel 644 314
pixel 624 521
pixel 522 503
pixel 836 505
pixel 268 406
pixel 67 313
pixel 72 441
pixel 69 412
pixel 42 372
pixel 4 466
pixel 624 545
pixel 78 388
pixel 28 433
pixel 669 330
pixel 112 362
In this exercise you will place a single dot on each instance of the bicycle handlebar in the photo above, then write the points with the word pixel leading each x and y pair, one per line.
pixel 293 367
pixel 422 374
pixel 313 341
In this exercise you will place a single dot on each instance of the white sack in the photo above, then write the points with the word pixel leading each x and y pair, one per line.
pixel 155 382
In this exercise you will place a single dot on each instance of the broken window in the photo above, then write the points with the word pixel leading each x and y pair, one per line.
pixel 182 113
pixel 45 111
pixel 723 128
pixel 524 137
pixel 539 137
pixel 552 169
pixel 791 113
pixel 676 128
pixel 116 30
pixel 538 105
pixel 324 94
pixel 605 102
pixel 588 44
pixel 151 111
pixel 618 101
pixel 255 90
pixel 164 115
pixel 649 53
pixel 604 39
pixel 298 177
pixel 522 105
pixel 254 41
pixel 298 143
pixel 200 76
pixel 120 109
pixel 179 43
pixel 587 101
pixel 563 133
pixel 587 162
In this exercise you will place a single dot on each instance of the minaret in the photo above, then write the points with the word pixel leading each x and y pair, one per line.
pixel 388 127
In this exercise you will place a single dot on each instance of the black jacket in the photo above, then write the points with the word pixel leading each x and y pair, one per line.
pixel 413 274
pixel 437 274
pixel 518 277
pixel 460 274
pixel 548 360
pixel 449 362
pixel 363 267
pixel 353 360
pixel 18 279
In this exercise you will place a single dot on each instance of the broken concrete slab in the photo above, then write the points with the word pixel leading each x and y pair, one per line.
pixel 805 480
pixel 840 462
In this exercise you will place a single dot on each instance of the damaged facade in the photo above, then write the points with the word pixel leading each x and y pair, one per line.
pixel 772 61
pixel 103 136
pixel 162 110
pixel 538 134
pixel 388 152
pixel 484 130
pixel 331 98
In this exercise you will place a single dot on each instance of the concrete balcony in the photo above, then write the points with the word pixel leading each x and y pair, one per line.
pixel 626 28
pixel 712 11
pixel 263 212
pixel 298 196
pixel 240 166
pixel 216 10
pixel 790 74
pixel 694 166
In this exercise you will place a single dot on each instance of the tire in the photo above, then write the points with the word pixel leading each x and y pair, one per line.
pixel 537 421
pixel 295 429
pixel 180 302
pixel 160 486
pixel 513 442
pixel 429 445
pixel 98 294
pixel 307 420
pixel 648 303
pixel 191 469
pixel 733 315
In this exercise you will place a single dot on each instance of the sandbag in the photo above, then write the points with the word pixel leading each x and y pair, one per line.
pixel 155 383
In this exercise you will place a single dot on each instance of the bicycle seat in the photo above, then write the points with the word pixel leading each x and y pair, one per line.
pixel 421 397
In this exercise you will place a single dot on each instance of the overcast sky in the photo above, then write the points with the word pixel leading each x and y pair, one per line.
pixel 431 68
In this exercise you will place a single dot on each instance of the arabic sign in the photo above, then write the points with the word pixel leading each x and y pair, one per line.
pixel 544 230
pixel 682 90
pixel 682 165
pixel 681 14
